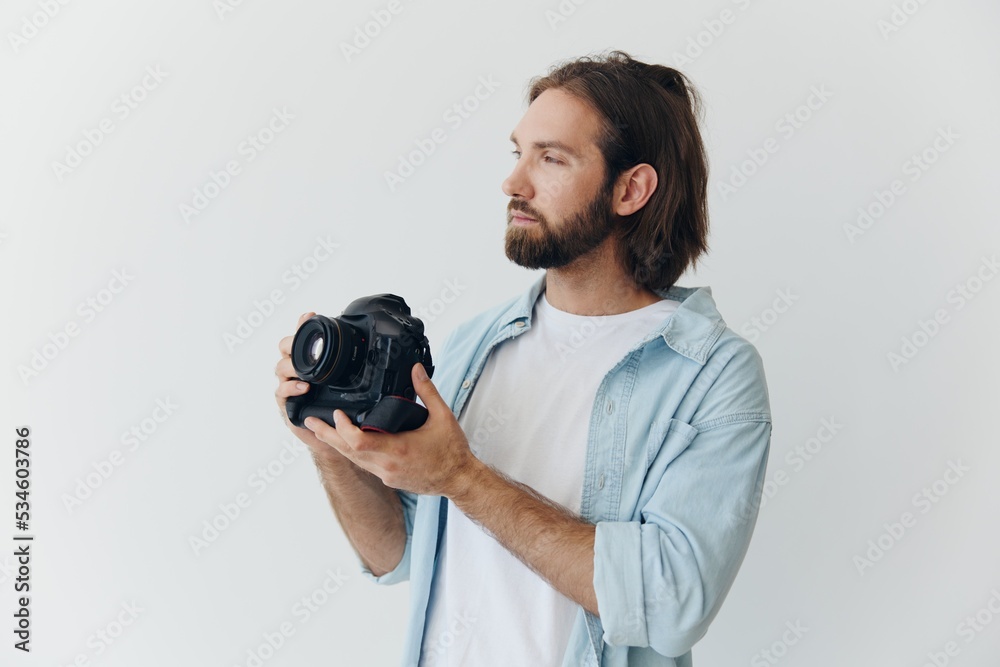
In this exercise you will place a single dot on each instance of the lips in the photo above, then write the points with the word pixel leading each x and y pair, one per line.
pixel 518 220
pixel 520 217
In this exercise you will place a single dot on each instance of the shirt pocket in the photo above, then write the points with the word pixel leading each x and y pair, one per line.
pixel 667 439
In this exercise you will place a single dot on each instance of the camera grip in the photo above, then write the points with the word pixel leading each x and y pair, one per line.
pixel 393 414
pixel 298 408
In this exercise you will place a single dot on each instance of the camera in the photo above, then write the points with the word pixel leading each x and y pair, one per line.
pixel 361 363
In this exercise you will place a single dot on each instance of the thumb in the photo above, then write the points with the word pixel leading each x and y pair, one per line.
pixel 426 390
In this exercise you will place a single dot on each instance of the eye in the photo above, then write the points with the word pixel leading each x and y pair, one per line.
pixel 552 160
pixel 516 154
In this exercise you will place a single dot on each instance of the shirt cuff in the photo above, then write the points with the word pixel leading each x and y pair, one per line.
pixel 400 573
pixel 402 570
pixel 618 582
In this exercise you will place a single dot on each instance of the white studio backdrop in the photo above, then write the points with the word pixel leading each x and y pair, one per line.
pixel 180 181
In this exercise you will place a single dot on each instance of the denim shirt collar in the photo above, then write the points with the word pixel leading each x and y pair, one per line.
pixel 690 331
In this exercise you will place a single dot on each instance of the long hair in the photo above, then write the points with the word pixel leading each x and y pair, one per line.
pixel 649 114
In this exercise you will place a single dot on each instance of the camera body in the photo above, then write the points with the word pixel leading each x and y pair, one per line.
pixel 361 363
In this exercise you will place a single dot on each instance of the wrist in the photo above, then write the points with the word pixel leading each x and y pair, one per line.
pixel 331 462
pixel 467 480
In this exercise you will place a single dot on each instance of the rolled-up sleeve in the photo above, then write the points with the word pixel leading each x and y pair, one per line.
pixel 402 570
pixel 661 579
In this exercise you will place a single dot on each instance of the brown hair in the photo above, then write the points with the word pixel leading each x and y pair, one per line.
pixel 649 115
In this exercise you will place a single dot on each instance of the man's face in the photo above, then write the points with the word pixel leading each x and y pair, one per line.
pixel 560 208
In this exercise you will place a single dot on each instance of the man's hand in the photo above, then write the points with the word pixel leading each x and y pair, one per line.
pixel 289 384
pixel 434 459
pixel 370 513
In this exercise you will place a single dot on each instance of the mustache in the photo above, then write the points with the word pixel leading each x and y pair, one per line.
pixel 522 207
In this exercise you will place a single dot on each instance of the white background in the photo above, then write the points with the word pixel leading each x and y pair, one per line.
pixel 854 298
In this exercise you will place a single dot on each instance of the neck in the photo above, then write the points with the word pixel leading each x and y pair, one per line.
pixel 596 284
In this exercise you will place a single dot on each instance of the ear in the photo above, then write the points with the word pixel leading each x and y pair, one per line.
pixel 634 188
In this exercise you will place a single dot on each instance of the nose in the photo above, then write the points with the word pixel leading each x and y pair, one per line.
pixel 518 184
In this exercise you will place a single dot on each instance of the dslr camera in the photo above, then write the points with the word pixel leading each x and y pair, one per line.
pixel 361 363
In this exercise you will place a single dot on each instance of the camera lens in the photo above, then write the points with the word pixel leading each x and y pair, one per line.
pixel 328 350
pixel 315 347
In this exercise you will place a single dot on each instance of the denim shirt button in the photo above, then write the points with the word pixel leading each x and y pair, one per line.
pixel 519 324
pixel 466 384
pixel 611 406
pixel 600 481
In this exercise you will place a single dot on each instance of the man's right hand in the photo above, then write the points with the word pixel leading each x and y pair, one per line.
pixel 289 384
pixel 370 512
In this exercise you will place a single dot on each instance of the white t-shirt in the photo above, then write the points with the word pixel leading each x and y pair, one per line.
pixel 528 416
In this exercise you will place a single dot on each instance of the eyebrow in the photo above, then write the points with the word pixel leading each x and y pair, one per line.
pixel 558 145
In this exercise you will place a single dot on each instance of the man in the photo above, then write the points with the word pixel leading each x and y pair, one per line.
pixel 586 484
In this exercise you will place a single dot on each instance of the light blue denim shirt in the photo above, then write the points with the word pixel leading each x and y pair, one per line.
pixel 678 442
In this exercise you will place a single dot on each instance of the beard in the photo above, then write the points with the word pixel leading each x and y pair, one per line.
pixel 539 246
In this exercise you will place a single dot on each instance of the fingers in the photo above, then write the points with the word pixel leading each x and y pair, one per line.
pixel 325 433
pixel 291 388
pixel 288 380
pixel 285 370
pixel 285 344
pixel 345 427
pixel 426 390
pixel 289 383
pixel 345 436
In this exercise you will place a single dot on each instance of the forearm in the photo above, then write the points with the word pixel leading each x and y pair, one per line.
pixel 370 512
pixel 548 538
